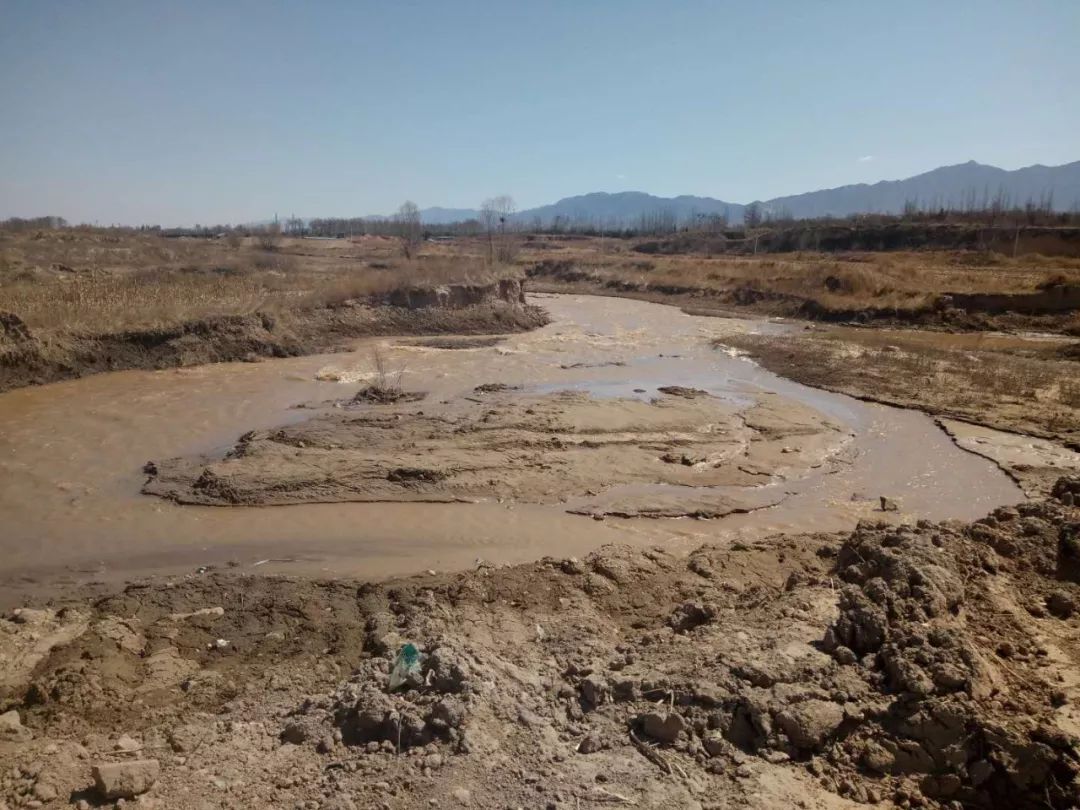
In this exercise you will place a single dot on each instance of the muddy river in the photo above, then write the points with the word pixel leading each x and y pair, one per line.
pixel 71 457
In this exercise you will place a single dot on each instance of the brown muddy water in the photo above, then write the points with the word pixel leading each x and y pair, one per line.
pixel 71 456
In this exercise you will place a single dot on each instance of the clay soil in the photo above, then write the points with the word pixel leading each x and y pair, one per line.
pixel 918 666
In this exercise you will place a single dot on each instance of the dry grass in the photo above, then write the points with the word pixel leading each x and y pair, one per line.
pixel 98 282
pixel 1002 381
pixel 853 280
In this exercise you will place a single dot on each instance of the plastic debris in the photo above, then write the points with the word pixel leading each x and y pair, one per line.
pixel 406 667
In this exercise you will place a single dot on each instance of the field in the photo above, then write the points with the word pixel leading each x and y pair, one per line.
pixel 898 287
pixel 99 282
pixel 84 300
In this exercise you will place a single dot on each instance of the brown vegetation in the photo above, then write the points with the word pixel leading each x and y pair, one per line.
pixel 1028 386
pixel 898 286
pixel 83 300
pixel 99 282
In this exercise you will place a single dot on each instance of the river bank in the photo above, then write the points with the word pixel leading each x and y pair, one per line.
pixel 791 671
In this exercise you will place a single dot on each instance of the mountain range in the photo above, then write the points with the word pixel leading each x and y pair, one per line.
pixel 961 186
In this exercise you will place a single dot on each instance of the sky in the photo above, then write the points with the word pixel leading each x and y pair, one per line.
pixel 146 111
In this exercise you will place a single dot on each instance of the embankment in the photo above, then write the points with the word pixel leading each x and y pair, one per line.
pixel 28 358
pixel 1050 309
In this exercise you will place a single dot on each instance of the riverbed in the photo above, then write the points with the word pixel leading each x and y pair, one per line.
pixel 72 456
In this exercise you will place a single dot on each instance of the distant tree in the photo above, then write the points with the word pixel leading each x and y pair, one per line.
pixel 752 215
pixel 407 228
pixel 496 217
pixel 269 237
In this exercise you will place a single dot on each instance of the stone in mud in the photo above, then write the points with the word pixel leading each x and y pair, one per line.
pixel 125 780
pixel 12 729
pixel 681 391
pixel 1060 604
pixel 809 724
pixel 592 743
pixel 689 615
pixel 661 727
pixel 296 732
pixel 594 690
pixel 572 566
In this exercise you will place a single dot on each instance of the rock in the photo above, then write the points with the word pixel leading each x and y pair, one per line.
pixel 809 724
pixel 462 796
pixel 979 771
pixel 31 616
pixel 572 566
pixel 594 690
pixel 433 761
pixel 44 791
pixel 127 743
pixel 844 655
pixel 125 780
pixel 877 758
pixel 715 745
pixel 591 744
pixel 889 504
pixel 662 727
pixel 295 733
pixel 689 615
pixel 1060 604
pixel 12 729
pixel 339 803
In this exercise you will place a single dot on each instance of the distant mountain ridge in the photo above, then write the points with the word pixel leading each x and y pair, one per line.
pixel 955 186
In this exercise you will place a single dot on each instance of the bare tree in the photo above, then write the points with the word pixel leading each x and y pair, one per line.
pixel 496 215
pixel 407 227
pixel 269 237
pixel 752 215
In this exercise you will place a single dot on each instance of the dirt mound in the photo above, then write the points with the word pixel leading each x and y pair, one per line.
pixel 926 620
pixel 936 675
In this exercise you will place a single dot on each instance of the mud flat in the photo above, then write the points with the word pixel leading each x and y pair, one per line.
pixel 502 445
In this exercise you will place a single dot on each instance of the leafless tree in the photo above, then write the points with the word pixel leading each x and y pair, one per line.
pixel 407 227
pixel 752 215
pixel 269 238
pixel 496 216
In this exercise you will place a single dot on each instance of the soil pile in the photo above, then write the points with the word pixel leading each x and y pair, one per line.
pixel 928 666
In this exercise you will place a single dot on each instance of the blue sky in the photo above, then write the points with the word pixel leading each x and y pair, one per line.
pixel 184 112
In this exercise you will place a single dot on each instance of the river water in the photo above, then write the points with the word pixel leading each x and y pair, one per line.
pixel 71 456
